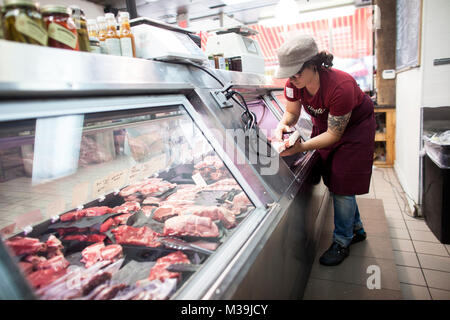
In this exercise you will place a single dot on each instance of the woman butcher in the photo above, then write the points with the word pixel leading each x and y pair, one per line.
pixel 343 133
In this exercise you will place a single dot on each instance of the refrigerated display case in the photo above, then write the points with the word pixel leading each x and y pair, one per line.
pixel 137 155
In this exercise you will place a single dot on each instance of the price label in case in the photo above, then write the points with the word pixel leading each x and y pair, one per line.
pixel 100 187
pixel 117 180
pixel 135 173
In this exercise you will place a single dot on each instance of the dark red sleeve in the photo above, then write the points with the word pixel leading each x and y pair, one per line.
pixel 343 99
pixel 291 93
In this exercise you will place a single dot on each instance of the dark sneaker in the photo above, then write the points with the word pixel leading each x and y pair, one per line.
pixel 358 237
pixel 334 255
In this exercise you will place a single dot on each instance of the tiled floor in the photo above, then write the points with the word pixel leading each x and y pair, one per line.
pixel 421 262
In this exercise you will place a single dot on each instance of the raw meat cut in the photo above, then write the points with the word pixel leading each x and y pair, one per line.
pixel 26 267
pixel 86 237
pixel 122 219
pixel 147 187
pixel 54 247
pixel 240 203
pixel 186 193
pixel 147 210
pixel 25 245
pixel 209 161
pixel 127 207
pixel 165 212
pixel 92 254
pixel 56 263
pixel 97 211
pixel 215 213
pixel 223 185
pixel 143 236
pixel 107 224
pixel 44 277
pixel 98 252
pixel 64 231
pixel 190 225
pixel 35 260
pixel 89 212
pixel 280 146
pixel 159 270
pixel 73 215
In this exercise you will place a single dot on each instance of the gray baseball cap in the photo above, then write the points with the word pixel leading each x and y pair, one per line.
pixel 293 53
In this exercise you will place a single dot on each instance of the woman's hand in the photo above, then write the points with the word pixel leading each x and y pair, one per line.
pixel 296 148
pixel 281 128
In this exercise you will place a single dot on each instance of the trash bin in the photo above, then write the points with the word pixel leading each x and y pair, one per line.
pixel 436 189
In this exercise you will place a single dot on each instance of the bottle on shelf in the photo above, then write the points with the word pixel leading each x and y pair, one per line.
pixel 112 39
pixel 22 22
pixel 127 44
pixel 101 23
pixel 80 22
pixel 94 42
pixel 62 32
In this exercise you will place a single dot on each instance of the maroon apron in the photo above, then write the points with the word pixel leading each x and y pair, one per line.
pixel 347 164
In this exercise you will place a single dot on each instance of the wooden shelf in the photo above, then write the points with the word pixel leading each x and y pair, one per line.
pixel 388 137
pixel 380 136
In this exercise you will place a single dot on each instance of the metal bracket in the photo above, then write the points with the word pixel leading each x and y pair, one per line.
pixel 221 100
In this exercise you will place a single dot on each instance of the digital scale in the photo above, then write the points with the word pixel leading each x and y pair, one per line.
pixel 235 42
pixel 160 41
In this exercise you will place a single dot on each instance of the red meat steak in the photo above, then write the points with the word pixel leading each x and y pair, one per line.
pixel 164 212
pixel 53 242
pixel 159 270
pixel 122 219
pixel 85 237
pixel 56 263
pixel 92 254
pixel 25 245
pixel 147 210
pixel 143 236
pixel 26 267
pixel 98 252
pixel 44 277
pixel 97 211
pixel 73 215
pixel 191 225
pixel 216 213
pixel 111 252
pixel 127 207
pixel 107 224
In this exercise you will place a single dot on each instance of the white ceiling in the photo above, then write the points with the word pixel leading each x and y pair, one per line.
pixel 245 13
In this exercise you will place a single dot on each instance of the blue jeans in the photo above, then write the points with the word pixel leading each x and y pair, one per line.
pixel 346 219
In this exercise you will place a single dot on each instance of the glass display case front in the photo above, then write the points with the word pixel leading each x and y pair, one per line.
pixel 114 205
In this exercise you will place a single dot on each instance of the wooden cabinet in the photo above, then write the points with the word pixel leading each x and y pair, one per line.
pixel 385 137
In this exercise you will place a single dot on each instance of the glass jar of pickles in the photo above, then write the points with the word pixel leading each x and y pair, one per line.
pixel 22 22
pixel 62 32
pixel 81 24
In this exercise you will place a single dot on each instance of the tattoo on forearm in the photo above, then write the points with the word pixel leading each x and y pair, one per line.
pixel 337 124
